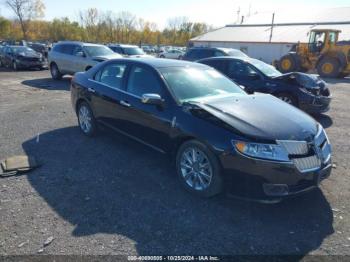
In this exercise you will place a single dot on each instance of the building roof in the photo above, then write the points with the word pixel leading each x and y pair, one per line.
pixel 288 33
pixel 257 28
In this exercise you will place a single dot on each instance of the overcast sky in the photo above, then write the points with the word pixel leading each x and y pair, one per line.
pixel 214 12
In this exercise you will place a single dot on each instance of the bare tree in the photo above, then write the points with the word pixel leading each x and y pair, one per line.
pixel 25 11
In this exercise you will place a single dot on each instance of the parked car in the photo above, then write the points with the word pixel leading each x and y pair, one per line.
pixel 172 53
pixel 128 50
pixel 40 48
pixel 218 134
pixel 71 57
pixel 307 92
pixel 197 53
pixel 18 57
pixel 2 48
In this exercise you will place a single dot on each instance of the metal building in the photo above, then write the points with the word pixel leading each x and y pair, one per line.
pixel 269 42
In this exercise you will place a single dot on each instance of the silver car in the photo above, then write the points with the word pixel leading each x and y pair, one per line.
pixel 71 57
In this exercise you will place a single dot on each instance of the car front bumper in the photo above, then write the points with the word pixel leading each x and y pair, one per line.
pixel 315 104
pixel 31 64
pixel 268 180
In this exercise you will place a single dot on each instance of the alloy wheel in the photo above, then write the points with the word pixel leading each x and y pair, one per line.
pixel 85 119
pixel 286 99
pixel 196 168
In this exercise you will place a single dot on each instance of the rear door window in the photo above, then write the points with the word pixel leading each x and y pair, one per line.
pixel 68 49
pixel 219 65
pixel 240 70
pixel 77 49
pixel 219 53
pixel 112 75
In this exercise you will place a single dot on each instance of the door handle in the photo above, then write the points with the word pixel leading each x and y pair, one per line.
pixel 91 90
pixel 124 103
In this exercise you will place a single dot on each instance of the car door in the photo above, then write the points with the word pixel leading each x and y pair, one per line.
pixel 8 56
pixel 245 75
pixel 66 58
pixel 106 93
pixel 150 124
pixel 79 59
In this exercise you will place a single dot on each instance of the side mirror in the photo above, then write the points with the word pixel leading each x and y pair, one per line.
pixel 80 54
pixel 152 99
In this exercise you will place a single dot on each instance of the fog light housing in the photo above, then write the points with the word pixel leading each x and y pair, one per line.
pixel 275 189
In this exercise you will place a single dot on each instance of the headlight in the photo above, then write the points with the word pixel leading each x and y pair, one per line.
pixel 262 151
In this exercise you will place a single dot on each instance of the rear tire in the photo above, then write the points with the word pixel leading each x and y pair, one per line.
pixel 328 67
pixel 198 169
pixel 289 63
pixel 55 72
pixel 86 119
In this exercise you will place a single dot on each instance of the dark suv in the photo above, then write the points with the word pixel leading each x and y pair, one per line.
pixel 197 53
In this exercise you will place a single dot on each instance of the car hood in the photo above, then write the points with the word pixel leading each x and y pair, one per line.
pixel 308 81
pixel 29 55
pixel 262 117
pixel 107 57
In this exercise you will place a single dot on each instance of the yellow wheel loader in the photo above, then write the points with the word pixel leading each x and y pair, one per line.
pixel 323 52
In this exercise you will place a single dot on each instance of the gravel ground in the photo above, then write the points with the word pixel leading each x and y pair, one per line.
pixel 110 195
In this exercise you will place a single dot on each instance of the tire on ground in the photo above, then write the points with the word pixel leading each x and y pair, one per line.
pixel 216 185
pixel 55 74
pixel 93 130
pixel 289 63
pixel 329 67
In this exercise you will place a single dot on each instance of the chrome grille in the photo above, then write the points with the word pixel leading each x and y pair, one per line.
pixel 321 150
pixel 322 146
pixel 306 164
pixel 294 147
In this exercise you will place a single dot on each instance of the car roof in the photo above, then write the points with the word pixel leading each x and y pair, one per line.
pixel 77 43
pixel 161 62
pixel 120 45
pixel 243 59
pixel 214 48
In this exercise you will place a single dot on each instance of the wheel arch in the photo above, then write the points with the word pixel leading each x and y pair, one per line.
pixel 179 141
pixel 78 102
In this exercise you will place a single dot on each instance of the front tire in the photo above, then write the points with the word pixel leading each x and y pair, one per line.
pixel 14 66
pixel 198 169
pixel 55 72
pixel 288 63
pixel 328 67
pixel 86 119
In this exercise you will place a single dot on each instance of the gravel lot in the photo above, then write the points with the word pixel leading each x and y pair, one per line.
pixel 110 195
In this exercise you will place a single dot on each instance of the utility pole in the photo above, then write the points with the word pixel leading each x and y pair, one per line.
pixel 238 14
pixel 272 24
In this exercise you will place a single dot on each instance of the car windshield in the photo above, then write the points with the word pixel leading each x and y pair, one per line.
pixel 22 50
pixel 98 50
pixel 133 51
pixel 266 69
pixel 197 84
pixel 236 53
